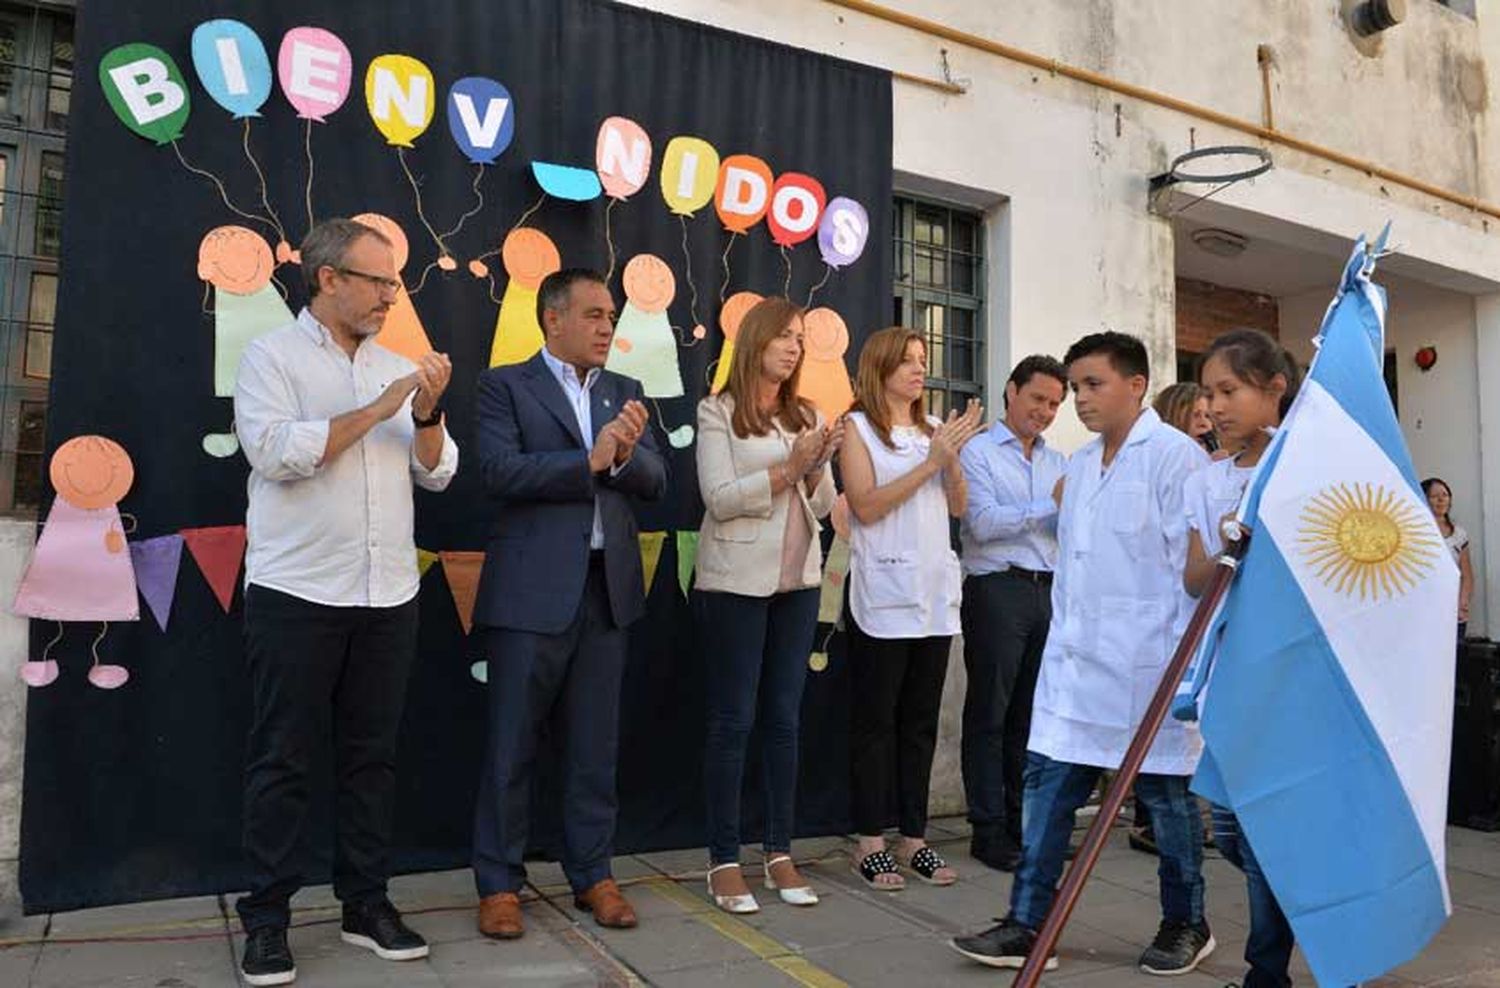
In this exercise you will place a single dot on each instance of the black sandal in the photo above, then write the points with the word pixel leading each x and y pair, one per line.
pixel 878 863
pixel 925 863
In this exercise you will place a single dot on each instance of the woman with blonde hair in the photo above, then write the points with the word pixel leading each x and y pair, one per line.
pixel 1184 406
pixel 903 482
pixel 763 472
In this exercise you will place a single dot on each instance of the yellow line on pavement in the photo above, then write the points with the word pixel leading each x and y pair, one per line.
pixel 768 949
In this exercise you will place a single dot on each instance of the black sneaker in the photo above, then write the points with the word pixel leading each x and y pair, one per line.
pixel 379 928
pixel 1005 945
pixel 268 960
pixel 1177 949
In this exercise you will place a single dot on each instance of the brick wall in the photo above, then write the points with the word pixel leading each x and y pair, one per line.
pixel 1205 310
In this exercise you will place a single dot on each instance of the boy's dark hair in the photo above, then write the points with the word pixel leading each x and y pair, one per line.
pixel 557 288
pixel 1255 358
pixel 1127 355
pixel 1037 363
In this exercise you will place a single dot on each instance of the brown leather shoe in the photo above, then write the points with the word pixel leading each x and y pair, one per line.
pixel 608 904
pixel 500 916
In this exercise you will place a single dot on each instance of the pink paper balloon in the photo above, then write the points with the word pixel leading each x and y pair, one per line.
pixel 622 156
pixel 109 677
pixel 314 68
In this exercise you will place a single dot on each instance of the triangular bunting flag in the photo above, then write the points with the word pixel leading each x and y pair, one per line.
pixel 156 563
pixel 425 560
pixel 462 570
pixel 651 543
pixel 687 555
pixel 218 552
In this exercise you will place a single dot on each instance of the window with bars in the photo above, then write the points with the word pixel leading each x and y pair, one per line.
pixel 36 78
pixel 939 292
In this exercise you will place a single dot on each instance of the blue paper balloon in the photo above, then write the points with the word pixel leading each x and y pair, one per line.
pixel 566 181
pixel 232 65
pixel 482 117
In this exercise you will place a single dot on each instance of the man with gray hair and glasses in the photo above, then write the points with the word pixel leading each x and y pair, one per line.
pixel 337 429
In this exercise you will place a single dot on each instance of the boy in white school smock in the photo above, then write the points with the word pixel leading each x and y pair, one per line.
pixel 1118 610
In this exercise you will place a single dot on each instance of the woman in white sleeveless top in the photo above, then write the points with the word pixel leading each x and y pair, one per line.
pixel 903 481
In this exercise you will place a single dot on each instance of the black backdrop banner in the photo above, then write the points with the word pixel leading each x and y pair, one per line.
pixel 136 793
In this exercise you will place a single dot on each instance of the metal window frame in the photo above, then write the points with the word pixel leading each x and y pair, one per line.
pixel 944 390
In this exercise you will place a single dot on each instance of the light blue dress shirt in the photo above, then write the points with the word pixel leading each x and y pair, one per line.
pixel 1011 519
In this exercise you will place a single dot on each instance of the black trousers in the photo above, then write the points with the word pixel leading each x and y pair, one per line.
pixel 1005 619
pixel 896 687
pixel 310 666
pixel 571 681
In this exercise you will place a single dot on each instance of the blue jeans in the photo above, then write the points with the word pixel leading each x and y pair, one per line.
pixel 1054 793
pixel 759 663
pixel 1269 949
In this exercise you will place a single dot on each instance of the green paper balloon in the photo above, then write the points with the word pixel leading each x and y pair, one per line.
pixel 146 90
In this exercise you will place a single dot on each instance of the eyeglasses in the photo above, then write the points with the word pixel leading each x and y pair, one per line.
pixel 379 281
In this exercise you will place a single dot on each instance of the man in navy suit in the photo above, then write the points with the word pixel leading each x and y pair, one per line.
pixel 564 447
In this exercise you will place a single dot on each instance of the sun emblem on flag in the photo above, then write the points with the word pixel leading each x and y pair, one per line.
pixel 1367 539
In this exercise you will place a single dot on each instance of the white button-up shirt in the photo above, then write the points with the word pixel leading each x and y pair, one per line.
pixel 336 533
pixel 580 397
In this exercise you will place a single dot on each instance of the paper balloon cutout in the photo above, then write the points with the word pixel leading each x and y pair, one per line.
pixel 730 318
pixel 825 378
pixel 80 569
pixel 156 562
pixel 622 156
pixel 689 174
pixel 645 347
pixel 146 90
pixel 743 193
pixel 481 118
pixel 462 570
pixel 797 202
pixel 315 70
pixel 681 437
pixel 566 182
pixel 400 94
pixel 218 551
pixel 91 472
pixel 402 331
pixel 842 232
pixel 529 255
pixel 232 65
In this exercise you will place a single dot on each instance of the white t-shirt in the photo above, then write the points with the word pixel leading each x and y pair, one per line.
pixel 1457 541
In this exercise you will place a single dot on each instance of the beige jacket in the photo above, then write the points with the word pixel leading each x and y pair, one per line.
pixel 739 544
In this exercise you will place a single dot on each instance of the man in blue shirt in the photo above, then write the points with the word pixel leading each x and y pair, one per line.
pixel 1009 535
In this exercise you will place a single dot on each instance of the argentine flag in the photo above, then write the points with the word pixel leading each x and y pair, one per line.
pixel 1329 669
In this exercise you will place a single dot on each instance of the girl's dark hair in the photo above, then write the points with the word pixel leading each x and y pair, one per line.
pixel 1256 358
pixel 1429 484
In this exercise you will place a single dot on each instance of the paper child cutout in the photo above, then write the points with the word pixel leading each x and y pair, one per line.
pixel 529 256
pixel 730 316
pixel 403 330
pixel 238 263
pixel 825 379
pixel 80 569
pixel 645 347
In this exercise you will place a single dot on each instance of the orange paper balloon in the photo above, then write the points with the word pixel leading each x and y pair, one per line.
pixel 744 192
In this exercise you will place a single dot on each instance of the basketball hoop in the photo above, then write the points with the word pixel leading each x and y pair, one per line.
pixel 1219 167
pixel 1214 166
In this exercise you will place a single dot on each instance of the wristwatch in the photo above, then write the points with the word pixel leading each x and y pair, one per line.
pixel 435 419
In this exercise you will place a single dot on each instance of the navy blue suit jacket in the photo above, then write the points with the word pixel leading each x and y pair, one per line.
pixel 535 469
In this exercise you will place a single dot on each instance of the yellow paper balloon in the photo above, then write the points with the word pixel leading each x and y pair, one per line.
pixel 689 173
pixel 399 91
